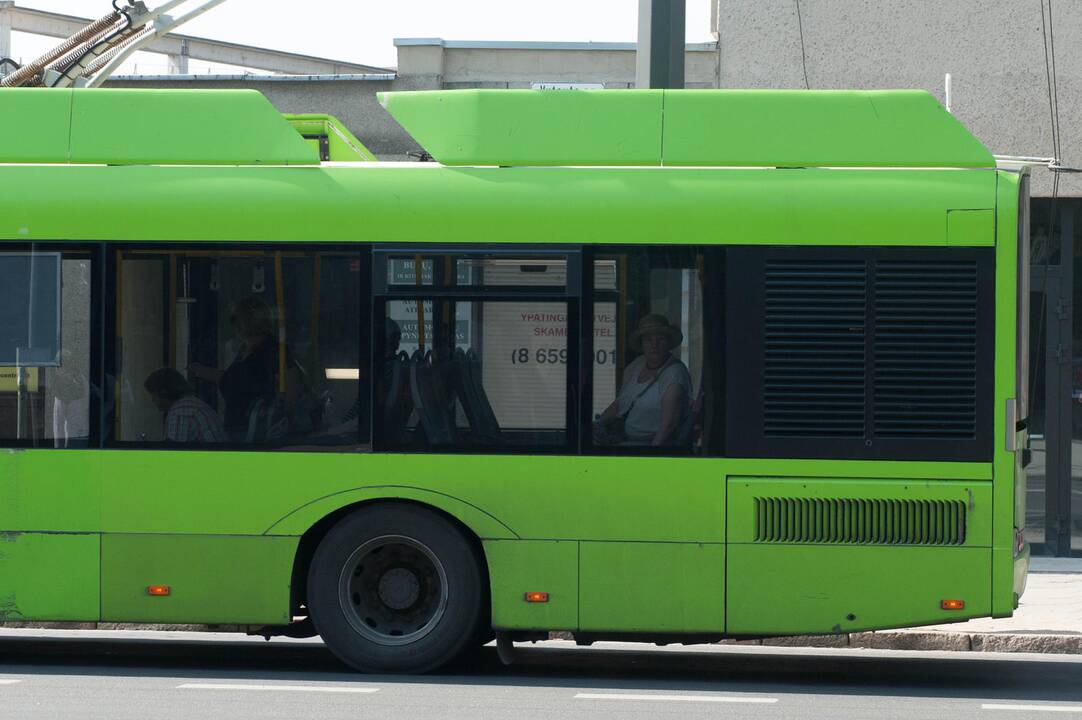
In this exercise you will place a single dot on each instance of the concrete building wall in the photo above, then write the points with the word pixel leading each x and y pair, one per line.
pixel 459 64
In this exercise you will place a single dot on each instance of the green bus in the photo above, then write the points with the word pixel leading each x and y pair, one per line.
pixel 668 365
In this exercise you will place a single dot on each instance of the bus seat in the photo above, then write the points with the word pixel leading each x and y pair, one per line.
pixel 467 385
pixel 430 400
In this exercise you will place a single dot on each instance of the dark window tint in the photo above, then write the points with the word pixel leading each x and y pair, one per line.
pixel 476 271
pixel 243 346
pixel 652 381
pixel 473 374
pixel 860 352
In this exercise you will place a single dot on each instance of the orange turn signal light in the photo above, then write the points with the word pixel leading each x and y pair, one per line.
pixel 952 604
pixel 159 590
pixel 537 597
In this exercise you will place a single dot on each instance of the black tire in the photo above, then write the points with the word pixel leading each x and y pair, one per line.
pixel 396 588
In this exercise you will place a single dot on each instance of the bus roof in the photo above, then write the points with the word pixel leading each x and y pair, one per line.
pixel 729 128
pixel 147 127
pixel 684 128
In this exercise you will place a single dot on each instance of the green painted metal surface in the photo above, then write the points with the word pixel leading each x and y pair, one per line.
pixel 524 127
pixel 41 489
pixel 793 589
pixel 211 579
pixel 425 203
pixel 666 587
pixel 517 567
pixel 971 227
pixel 342 145
pixel 49 576
pixel 772 128
pixel 36 124
pixel 1007 567
pixel 142 127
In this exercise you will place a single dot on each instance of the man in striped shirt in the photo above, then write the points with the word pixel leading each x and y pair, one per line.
pixel 187 418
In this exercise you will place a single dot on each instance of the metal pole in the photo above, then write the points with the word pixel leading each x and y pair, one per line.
pixel 7 7
pixel 659 56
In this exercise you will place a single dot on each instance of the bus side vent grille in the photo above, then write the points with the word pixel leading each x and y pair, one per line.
pixel 814 358
pixel 863 522
pixel 925 350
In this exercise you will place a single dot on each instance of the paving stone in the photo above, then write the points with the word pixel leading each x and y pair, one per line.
pixel 910 640
pixel 1028 643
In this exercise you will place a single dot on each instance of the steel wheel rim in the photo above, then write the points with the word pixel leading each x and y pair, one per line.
pixel 393 590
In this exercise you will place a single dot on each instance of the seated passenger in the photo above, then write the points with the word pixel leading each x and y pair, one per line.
pixel 652 407
pixel 187 418
pixel 251 380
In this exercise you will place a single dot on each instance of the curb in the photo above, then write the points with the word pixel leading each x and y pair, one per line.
pixel 928 641
pixel 933 641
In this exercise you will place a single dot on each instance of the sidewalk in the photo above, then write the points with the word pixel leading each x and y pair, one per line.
pixel 1048 620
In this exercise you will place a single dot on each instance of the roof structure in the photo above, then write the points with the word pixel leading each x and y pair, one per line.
pixel 730 128
pixel 148 127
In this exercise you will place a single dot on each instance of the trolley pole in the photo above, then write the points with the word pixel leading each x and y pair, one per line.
pixel 659 56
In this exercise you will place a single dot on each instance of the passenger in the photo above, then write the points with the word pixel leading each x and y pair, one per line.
pixel 253 375
pixel 652 407
pixel 187 418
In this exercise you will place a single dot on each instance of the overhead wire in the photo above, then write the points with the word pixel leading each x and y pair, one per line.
pixel 1048 36
pixel 803 54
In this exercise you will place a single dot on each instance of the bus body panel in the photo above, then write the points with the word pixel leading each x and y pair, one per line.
pixel 50 490
pixel 792 590
pixel 529 205
pixel 211 579
pixel 517 567
pixel 1008 562
pixel 661 587
pixel 49 576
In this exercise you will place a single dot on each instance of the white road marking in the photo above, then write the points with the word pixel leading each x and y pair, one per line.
pixel 271 688
pixel 675 698
pixel 1034 708
pixel 9 682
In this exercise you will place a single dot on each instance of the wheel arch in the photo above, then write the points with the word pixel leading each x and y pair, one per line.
pixel 474 529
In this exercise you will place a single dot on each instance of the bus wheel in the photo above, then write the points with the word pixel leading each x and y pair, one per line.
pixel 395 588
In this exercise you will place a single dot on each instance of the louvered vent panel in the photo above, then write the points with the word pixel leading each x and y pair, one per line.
pixel 925 350
pixel 857 521
pixel 814 359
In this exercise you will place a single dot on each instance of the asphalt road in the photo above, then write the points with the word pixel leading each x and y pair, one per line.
pixel 160 676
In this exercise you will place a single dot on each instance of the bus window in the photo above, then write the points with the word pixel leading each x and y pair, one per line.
pixel 247 346
pixel 474 374
pixel 649 384
pixel 474 351
pixel 45 383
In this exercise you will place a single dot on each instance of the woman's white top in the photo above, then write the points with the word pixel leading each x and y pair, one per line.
pixel 642 423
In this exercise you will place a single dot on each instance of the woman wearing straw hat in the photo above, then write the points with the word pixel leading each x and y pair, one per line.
pixel 652 406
